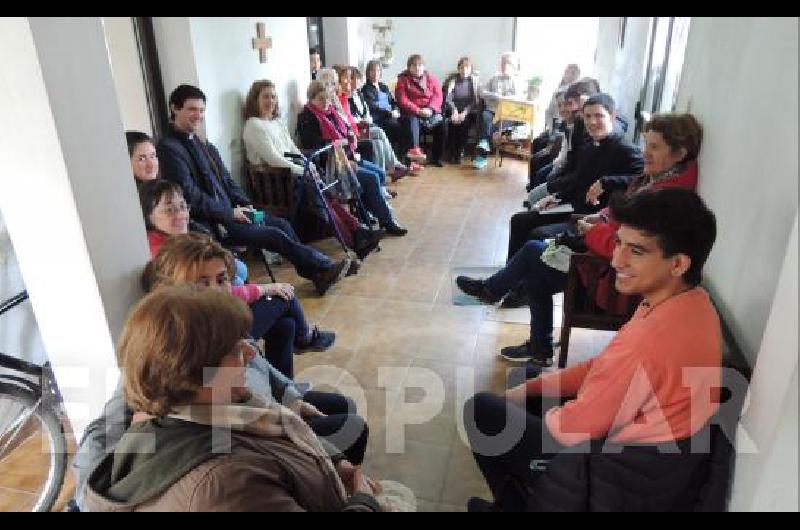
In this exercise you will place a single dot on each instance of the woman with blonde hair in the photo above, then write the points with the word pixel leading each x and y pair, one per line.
pixel 321 123
pixel 278 316
pixel 210 443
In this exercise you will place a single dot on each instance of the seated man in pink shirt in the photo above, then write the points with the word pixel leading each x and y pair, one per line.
pixel 653 384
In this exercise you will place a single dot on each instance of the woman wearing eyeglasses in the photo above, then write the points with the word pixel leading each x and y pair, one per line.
pixel 167 214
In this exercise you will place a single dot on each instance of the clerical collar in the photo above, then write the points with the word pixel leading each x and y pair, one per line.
pixel 597 143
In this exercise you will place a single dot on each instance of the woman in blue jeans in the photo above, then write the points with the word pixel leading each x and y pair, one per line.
pixel 541 282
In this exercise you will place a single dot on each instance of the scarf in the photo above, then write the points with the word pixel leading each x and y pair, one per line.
pixel 332 126
pixel 267 420
pixel 644 182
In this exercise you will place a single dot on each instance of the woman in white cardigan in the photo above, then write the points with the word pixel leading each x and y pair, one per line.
pixel 266 139
pixel 265 136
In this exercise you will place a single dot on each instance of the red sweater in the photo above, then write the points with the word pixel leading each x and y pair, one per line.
pixel 248 292
pixel 346 109
pixel 411 97
pixel 601 239
pixel 657 381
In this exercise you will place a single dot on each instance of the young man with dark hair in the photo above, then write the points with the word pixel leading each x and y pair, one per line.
pixel 220 204
pixel 651 385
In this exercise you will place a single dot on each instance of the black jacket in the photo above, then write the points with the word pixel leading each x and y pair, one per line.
pixel 310 136
pixel 640 478
pixel 180 163
pixel 611 156
pixel 370 94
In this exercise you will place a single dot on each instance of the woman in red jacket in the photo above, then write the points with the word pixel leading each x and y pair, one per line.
pixel 419 95
pixel 672 142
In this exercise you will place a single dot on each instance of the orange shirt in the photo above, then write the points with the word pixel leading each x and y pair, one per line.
pixel 655 382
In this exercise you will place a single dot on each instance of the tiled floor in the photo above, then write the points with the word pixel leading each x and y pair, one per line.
pixel 404 352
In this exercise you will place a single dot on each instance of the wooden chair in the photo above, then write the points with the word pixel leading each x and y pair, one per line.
pixel 272 189
pixel 580 309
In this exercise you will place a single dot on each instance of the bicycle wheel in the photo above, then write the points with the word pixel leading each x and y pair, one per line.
pixel 33 451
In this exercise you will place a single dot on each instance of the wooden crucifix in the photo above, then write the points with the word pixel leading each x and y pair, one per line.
pixel 262 43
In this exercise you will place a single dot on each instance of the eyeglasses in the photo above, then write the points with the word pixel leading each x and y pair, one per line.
pixel 143 158
pixel 174 209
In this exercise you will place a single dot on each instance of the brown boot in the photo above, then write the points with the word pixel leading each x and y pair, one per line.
pixel 324 279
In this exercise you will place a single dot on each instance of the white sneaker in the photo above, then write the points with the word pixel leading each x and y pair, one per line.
pixel 483 145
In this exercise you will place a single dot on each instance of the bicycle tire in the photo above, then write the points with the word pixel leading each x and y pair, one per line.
pixel 52 427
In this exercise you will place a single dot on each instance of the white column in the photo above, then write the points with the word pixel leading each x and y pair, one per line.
pixel 68 198
pixel 767 479
pixel 334 35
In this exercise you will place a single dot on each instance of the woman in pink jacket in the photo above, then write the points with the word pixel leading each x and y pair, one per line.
pixel 419 95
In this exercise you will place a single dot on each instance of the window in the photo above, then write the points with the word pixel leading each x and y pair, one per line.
pixel 667 50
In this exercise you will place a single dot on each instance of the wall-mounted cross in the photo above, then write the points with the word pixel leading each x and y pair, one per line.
pixel 262 43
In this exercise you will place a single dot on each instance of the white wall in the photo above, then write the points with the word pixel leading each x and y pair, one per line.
pixel 442 40
pixel 216 54
pixel 175 52
pixel 70 208
pixel 766 479
pixel 127 71
pixel 740 81
pixel 620 71
pixel 354 42
pixel 748 163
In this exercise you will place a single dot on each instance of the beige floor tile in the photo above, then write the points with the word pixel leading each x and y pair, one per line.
pixel 421 467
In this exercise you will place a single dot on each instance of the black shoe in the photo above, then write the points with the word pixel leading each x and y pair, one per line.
pixel 354 266
pixel 516 298
pixel 366 240
pixel 392 228
pixel 324 279
pixel 320 341
pixel 437 163
pixel 538 356
pixel 476 288
pixel 517 354
pixel 476 504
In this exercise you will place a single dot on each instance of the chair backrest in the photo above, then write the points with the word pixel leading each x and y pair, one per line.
pixel 272 188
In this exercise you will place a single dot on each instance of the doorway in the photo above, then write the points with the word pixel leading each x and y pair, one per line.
pixel 315 39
